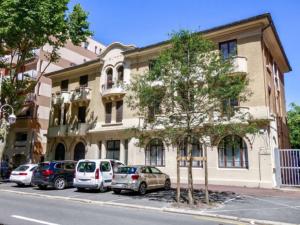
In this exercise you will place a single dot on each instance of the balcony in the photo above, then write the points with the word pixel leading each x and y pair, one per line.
pixel 81 94
pixel 240 64
pixel 58 131
pixel 59 98
pixel 78 129
pixel 113 91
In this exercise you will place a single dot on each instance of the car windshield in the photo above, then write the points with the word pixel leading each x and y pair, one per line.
pixel 44 166
pixel 22 168
pixel 126 170
pixel 86 167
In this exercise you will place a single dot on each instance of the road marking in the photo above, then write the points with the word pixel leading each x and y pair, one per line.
pixel 219 220
pixel 33 220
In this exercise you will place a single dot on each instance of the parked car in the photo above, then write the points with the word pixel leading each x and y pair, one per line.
pixel 22 175
pixel 95 173
pixel 57 174
pixel 139 179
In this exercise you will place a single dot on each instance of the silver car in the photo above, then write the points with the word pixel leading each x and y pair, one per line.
pixel 139 179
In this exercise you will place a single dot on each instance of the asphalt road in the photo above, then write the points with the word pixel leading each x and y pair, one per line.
pixel 30 210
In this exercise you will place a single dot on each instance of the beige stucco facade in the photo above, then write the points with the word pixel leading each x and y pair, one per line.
pixel 105 130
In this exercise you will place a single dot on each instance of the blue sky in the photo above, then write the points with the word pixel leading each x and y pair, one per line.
pixel 143 22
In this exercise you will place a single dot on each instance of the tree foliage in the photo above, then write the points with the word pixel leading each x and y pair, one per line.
pixel 26 26
pixel 294 125
pixel 186 95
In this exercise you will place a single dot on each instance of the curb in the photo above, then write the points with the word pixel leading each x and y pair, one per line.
pixel 166 210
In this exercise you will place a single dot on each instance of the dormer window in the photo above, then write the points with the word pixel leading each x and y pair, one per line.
pixel 109 78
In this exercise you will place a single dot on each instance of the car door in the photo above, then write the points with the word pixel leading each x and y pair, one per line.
pixel 106 172
pixel 69 171
pixel 149 177
pixel 158 176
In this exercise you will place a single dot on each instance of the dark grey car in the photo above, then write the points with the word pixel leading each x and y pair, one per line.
pixel 139 179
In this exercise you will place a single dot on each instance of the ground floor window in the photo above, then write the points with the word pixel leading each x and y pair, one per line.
pixel 113 149
pixel 155 153
pixel 196 152
pixel 233 152
pixel 60 152
pixel 79 151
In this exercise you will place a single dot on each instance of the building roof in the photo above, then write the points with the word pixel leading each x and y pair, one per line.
pixel 236 23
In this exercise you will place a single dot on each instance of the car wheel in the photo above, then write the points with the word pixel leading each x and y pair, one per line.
pixel 42 187
pixel 102 189
pixel 143 189
pixel 60 183
pixel 167 185
pixel 117 191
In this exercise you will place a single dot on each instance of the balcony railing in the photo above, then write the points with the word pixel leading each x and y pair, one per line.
pixel 81 94
pixel 59 98
pixel 240 64
pixel 116 89
pixel 78 129
pixel 57 131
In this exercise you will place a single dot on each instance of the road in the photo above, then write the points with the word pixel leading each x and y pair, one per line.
pixel 29 210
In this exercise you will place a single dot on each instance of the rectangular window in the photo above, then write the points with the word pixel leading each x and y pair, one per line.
pixel 81 114
pixel 64 85
pixel 113 149
pixel 119 109
pixel 83 81
pixel 20 136
pixel 228 49
pixel 108 110
pixel 126 151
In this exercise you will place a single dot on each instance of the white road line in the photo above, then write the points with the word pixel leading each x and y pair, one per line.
pixel 33 220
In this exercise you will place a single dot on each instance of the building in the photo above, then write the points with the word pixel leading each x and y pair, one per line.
pixel 27 137
pixel 90 119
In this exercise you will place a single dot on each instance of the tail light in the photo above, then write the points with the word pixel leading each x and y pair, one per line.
pixel 47 172
pixel 23 174
pixel 97 175
pixel 135 177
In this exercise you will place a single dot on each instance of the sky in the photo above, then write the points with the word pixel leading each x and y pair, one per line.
pixel 144 22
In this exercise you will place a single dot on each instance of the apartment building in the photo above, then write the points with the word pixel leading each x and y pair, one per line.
pixel 90 119
pixel 27 139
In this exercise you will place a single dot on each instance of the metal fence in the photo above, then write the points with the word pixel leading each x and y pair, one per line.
pixel 288 167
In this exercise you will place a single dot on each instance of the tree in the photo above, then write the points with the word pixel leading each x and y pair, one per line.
pixel 26 26
pixel 187 95
pixel 294 125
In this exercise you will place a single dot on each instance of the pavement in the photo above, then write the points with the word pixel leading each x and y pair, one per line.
pixel 250 205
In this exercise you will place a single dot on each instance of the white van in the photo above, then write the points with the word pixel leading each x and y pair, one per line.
pixel 95 173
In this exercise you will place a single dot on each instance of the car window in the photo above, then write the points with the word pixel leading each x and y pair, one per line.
pixel 115 165
pixel 44 166
pixel 86 167
pixel 145 170
pixel 126 170
pixel 22 168
pixel 69 166
pixel 105 167
pixel 155 170
pixel 33 168
pixel 58 166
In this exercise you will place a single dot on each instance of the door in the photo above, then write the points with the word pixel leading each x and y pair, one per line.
pixel 85 171
pixel 113 149
pixel 60 152
pixel 79 151
pixel 106 172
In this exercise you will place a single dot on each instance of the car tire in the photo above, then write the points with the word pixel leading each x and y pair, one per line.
pixel 60 183
pixel 117 191
pixel 102 188
pixel 143 189
pixel 167 185
pixel 42 187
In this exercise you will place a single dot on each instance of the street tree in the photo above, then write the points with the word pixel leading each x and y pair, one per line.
pixel 26 26
pixel 189 94
pixel 294 125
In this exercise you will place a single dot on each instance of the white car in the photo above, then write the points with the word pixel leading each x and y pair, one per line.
pixel 95 173
pixel 22 175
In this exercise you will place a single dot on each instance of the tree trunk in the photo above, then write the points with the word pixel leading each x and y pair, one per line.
pixel 190 174
pixel 178 177
pixel 206 175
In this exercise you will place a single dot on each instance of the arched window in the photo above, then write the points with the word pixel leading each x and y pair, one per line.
pixel 120 73
pixel 109 78
pixel 60 152
pixel 155 153
pixel 233 152
pixel 196 152
pixel 79 151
